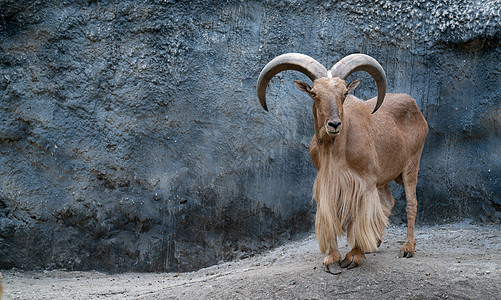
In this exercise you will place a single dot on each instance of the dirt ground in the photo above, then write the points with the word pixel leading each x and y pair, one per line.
pixel 456 261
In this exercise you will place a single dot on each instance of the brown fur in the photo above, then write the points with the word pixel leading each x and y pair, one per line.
pixel 356 162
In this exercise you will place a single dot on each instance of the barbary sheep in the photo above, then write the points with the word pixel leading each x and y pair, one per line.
pixel 357 153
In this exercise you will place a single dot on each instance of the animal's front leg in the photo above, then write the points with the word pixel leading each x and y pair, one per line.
pixel 387 201
pixel 331 261
pixel 353 258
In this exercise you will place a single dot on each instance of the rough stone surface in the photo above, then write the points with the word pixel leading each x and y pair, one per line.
pixel 131 138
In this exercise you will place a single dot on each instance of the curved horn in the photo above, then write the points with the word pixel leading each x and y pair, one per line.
pixel 290 61
pixel 362 62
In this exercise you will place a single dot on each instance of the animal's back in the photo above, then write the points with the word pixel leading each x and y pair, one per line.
pixel 404 113
pixel 397 131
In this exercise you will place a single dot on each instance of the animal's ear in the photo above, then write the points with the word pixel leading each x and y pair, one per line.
pixel 351 86
pixel 304 87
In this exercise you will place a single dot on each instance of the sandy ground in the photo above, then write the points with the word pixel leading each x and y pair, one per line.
pixel 457 261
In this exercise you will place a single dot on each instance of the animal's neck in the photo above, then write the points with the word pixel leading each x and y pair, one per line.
pixel 333 148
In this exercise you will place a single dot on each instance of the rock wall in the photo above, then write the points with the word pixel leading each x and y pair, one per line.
pixel 131 138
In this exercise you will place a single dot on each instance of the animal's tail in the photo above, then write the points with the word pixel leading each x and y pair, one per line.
pixel 345 204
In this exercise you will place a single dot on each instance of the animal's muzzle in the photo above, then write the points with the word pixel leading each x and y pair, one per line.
pixel 333 127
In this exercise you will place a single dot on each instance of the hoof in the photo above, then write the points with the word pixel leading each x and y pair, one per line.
pixel 333 268
pixel 407 249
pixel 406 254
pixel 353 259
pixel 346 263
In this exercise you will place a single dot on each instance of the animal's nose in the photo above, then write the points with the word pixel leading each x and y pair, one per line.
pixel 334 124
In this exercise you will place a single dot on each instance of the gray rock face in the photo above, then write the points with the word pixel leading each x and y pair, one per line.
pixel 131 138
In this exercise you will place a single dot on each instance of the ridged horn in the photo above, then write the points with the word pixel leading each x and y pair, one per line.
pixel 362 62
pixel 289 61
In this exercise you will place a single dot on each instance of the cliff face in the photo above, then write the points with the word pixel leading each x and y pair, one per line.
pixel 131 137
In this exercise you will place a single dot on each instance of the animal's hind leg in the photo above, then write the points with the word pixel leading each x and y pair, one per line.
pixel 410 181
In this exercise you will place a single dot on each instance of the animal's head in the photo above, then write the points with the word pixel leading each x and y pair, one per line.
pixel 328 96
pixel 329 89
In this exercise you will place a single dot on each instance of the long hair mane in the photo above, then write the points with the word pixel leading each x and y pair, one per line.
pixel 346 204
